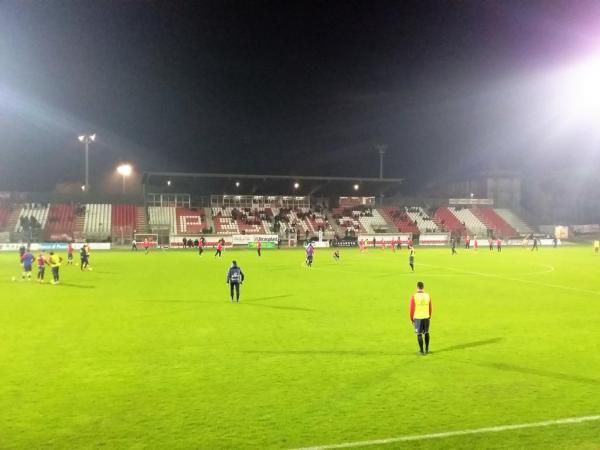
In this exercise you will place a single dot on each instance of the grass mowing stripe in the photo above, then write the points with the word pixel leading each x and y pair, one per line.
pixel 445 434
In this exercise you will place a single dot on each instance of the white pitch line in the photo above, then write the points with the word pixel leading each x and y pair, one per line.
pixel 538 283
pixel 421 437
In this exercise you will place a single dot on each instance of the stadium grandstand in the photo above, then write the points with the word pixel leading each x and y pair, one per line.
pixel 176 205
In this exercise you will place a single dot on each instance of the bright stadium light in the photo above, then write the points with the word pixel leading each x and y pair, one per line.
pixel 237 184
pixel 296 185
pixel 83 187
pixel 124 170
pixel 87 139
pixel 576 87
pixel 356 187
pixel 168 182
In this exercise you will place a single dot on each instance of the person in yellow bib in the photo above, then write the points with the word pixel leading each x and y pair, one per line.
pixel 420 316
pixel 55 261
pixel 596 246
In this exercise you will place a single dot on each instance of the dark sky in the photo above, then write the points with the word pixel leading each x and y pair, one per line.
pixel 279 87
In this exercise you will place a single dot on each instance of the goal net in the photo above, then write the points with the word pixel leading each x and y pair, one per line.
pixel 152 239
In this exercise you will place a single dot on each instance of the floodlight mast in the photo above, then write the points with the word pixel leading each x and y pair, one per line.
pixel 86 139
pixel 381 148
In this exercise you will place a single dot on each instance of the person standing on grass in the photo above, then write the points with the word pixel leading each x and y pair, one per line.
pixel 596 246
pixel 420 316
pixel 535 244
pixel 453 246
pixel 200 246
pixel 84 258
pixel 258 246
pixel 41 265
pixel 411 258
pixel 146 245
pixel 219 251
pixel 491 242
pixel 55 261
pixel 70 253
pixel 235 278
pixel 499 244
pixel 134 245
pixel 310 250
pixel 27 261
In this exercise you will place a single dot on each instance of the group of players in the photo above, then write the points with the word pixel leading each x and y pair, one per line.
pixel 52 260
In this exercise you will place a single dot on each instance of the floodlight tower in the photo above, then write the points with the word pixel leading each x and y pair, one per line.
pixel 381 148
pixel 87 139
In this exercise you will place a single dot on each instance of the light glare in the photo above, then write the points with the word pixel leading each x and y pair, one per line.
pixel 125 170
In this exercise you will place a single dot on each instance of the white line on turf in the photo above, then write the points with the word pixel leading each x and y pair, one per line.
pixel 446 434
pixel 518 280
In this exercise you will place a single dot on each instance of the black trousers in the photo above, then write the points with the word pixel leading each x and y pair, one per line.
pixel 235 286
pixel 55 273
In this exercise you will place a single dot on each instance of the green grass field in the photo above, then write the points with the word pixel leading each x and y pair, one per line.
pixel 148 352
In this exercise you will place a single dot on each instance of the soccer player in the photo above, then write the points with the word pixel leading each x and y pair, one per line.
pixel 84 257
pixel 420 316
pixel 535 244
pixel 336 255
pixel 27 260
pixel 219 249
pixel 69 253
pixel 22 250
pixel 411 258
pixel 310 250
pixel 499 244
pixel 491 242
pixel 235 277
pixel 258 246
pixel 41 265
pixel 200 246
pixel 467 242
pixel 453 246
pixel 146 245
pixel 55 261
pixel 134 245
pixel 596 246
pixel 475 243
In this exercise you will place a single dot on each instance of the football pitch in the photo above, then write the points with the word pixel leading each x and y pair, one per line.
pixel 146 351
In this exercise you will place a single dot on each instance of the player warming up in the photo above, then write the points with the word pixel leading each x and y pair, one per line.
pixel 258 247
pixel 146 245
pixel 310 250
pixel 84 258
pixel 219 251
pixel 27 261
pixel 596 246
pixel 41 265
pixel 336 255
pixel 420 316
pixel 55 261
pixel 70 253
pixel 235 277
pixel 411 258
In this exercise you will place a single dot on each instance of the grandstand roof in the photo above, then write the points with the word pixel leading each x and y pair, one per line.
pixel 267 183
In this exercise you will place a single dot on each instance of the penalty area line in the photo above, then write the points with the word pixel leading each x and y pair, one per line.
pixel 421 437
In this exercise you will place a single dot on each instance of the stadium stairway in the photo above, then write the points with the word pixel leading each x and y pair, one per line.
pixel 13 218
pixel 337 229
pixel 142 220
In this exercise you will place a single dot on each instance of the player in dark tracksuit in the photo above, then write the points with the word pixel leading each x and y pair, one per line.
pixel 411 259
pixel 235 277
pixel 84 258
pixel 453 246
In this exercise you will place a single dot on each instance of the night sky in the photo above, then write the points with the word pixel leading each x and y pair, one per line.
pixel 283 87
